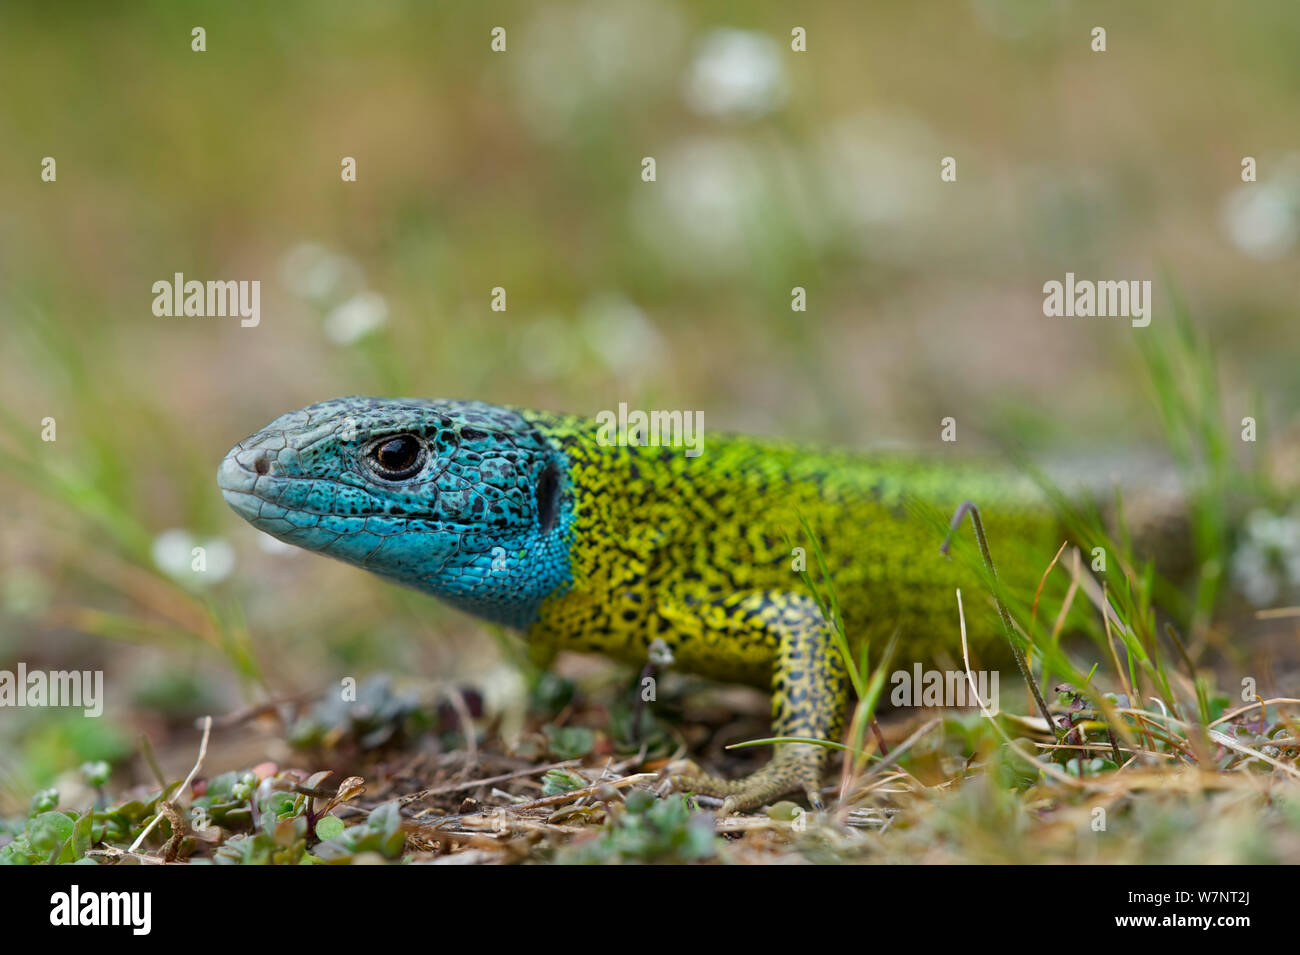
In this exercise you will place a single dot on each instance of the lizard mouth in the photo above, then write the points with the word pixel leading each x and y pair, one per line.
pixel 254 473
pixel 249 475
pixel 236 487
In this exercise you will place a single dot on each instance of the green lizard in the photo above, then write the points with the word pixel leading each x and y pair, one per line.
pixel 532 521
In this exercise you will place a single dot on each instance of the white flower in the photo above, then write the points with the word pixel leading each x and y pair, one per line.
pixel 706 206
pixel 877 172
pixel 580 59
pixel 620 332
pixel 312 272
pixel 1268 559
pixel 180 555
pixel 1260 219
pixel 1251 572
pixel 736 74
pixel 357 317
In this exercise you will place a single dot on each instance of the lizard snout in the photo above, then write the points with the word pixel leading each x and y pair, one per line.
pixel 247 471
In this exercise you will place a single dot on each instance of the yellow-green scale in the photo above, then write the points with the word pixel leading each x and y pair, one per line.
pixel 670 546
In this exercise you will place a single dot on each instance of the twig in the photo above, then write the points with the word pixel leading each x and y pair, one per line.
pixel 146 751
pixel 1250 706
pixel 591 790
pixel 903 747
pixel 880 737
pixel 466 723
pixel 1277 613
pixel 1042 767
pixel 203 752
pixel 504 777
pixel 259 709
pixel 559 798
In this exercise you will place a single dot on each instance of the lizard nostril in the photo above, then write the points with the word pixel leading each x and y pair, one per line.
pixel 262 464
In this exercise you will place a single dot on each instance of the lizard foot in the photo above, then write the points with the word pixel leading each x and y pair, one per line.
pixel 749 792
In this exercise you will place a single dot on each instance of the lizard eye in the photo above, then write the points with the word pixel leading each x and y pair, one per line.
pixel 397 457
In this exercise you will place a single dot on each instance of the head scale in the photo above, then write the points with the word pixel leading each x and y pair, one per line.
pixel 464 500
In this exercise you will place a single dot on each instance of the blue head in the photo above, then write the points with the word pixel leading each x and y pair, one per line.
pixel 464 500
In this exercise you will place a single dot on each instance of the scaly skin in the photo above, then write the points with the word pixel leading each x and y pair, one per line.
pixel 527 519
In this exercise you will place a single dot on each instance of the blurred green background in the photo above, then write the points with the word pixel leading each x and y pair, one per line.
pixel 522 170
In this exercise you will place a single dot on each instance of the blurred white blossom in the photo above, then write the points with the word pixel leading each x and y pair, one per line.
pixel 880 170
pixel 1261 218
pixel 312 272
pixel 1266 564
pixel 173 553
pixel 621 334
pixel 709 199
pixel 736 74
pixel 585 56
pixel 357 317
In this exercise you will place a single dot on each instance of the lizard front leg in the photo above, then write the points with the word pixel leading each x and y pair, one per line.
pixel 809 695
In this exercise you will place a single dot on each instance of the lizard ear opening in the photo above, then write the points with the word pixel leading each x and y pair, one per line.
pixel 548 496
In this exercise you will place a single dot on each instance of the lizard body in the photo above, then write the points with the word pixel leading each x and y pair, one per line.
pixel 531 520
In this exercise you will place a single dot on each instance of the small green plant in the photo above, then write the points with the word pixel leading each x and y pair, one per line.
pixel 379 716
pixel 558 781
pixel 569 742
pixel 51 837
pixel 645 829
pixel 381 833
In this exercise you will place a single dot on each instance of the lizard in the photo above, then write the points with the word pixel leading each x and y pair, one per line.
pixel 538 522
